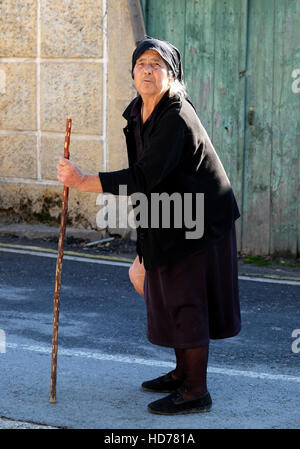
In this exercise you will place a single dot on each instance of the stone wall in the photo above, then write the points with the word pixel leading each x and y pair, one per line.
pixel 60 58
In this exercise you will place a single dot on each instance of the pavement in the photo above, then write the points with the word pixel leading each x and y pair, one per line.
pixel 266 393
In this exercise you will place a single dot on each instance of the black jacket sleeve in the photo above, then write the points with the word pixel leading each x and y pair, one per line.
pixel 162 152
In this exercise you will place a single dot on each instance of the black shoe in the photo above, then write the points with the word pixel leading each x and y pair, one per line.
pixel 162 384
pixel 174 404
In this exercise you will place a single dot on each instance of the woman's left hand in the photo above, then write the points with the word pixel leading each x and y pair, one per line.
pixel 69 174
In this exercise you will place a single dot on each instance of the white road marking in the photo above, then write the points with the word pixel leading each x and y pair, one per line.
pixel 128 264
pixel 149 362
pixel 272 281
pixel 66 257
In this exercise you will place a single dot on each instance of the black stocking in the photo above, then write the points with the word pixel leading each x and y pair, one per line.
pixel 178 373
pixel 195 368
pixel 191 365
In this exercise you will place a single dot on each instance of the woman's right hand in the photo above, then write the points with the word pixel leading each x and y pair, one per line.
pixel 69 174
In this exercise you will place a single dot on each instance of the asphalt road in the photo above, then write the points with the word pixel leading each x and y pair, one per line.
pixel 104 355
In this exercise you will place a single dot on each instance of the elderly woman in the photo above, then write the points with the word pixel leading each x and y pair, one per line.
pixel 191 284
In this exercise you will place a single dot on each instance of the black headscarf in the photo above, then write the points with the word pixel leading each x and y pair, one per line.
pixel 166 50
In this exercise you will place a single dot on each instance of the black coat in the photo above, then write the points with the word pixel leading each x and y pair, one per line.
pixel 178 156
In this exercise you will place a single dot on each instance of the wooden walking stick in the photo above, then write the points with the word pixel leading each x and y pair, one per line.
pixel 58 270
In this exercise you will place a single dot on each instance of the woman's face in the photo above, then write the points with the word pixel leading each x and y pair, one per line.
pixel 151 75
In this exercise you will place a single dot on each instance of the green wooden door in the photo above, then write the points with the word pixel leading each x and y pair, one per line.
pixel 238 55
pixel 271 165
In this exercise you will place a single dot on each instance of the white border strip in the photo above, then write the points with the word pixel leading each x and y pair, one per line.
pixel 150 362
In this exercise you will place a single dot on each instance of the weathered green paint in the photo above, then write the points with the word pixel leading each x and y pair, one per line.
pixel 285 179
pixel 240 54
pixel 271 181
pixel 258 138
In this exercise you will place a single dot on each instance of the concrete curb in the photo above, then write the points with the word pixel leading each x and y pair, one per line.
pixel 41 231
pixel 8 423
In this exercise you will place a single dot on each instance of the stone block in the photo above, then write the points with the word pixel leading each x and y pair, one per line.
pixel 87 155
pixel 71 90
pixel 19 157
pixel 18 98
pixel 18 29
pixel 120 83
pixel 71 29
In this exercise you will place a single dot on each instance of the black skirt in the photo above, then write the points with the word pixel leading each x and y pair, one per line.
pixel 196 298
